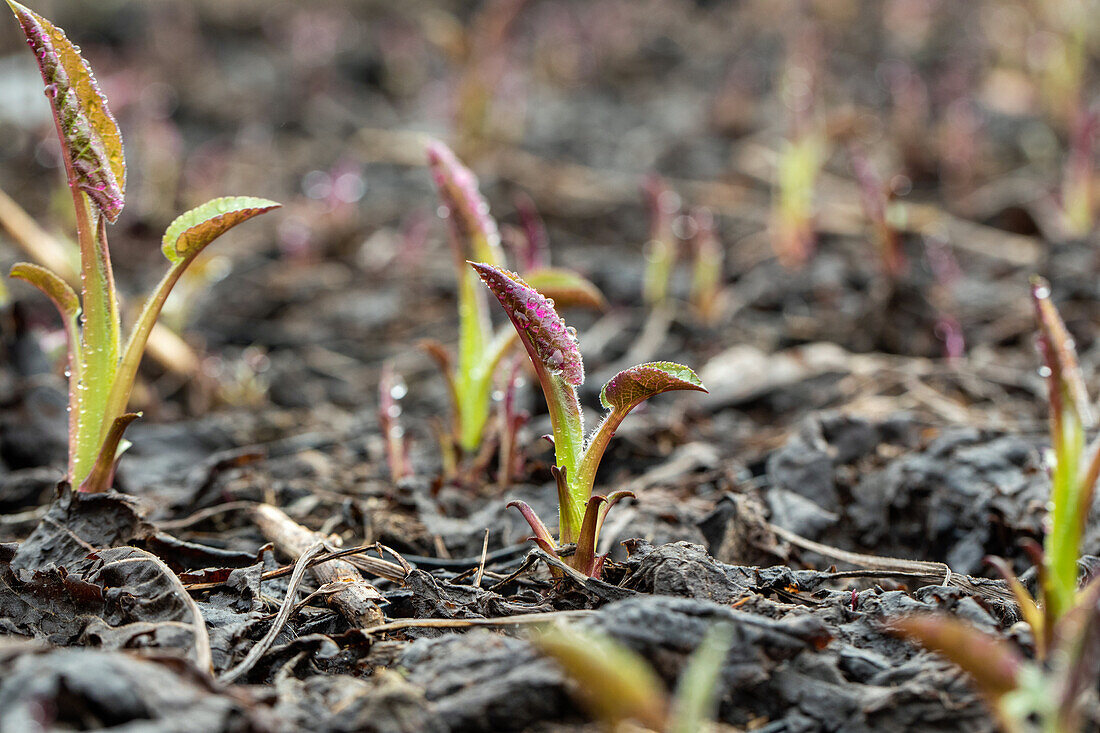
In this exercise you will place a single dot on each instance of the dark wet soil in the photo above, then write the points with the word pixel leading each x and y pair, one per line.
pixel 834 411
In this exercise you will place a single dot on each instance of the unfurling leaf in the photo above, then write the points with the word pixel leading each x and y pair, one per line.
pixel 93 144
pixel 540 327
pixel 191 232
pixel 59 291
pixel 991 662
pixel 467 209
pixel 566 288
pixel 631 387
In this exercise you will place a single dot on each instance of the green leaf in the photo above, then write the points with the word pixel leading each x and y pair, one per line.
pixel 629 388
pixel 56 289
pixel 191 232
pixel 695 702
pixel 566 288
pixel 613 681
pixel 92 141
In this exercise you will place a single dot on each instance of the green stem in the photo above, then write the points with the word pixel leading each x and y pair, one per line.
pixel 567 424
pixel 1063 541
pixel 593 452
pixel 135 345
pixel 473 333
pixel 99 341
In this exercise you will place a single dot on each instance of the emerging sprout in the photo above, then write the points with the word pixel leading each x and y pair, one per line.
pixel 706 272
pixel 1064 621
pixel 663 205
pixel 552 348
pixel 101 369
pixel 617 685
pixel 1078 191
pixel 474 233
pixel 873 196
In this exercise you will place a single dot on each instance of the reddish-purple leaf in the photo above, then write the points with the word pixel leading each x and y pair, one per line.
pixel 631 387
pixel 542 536
pixel 540 327
pixel 585 558
pixel 992 662
pixel 536 252
pixel 87 128
pixel 467 209
pixel 1067 387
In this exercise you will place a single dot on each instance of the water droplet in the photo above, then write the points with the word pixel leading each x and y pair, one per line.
pixel 1044 371
pixel 442 211
pixel 1041 292
pixel 51 91
pixel 398 390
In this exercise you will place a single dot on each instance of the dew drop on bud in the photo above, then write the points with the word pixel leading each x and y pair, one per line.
pixel 1042 291
pixel 1044 371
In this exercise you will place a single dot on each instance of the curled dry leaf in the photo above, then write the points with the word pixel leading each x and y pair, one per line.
pixel 92 139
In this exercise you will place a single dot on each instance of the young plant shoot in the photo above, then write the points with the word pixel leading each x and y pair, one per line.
pixel 552 348
pixel 473 233
pixel 101 368
pixel 877 209
pixel 617 686
pixel 663 205
pixel 1064 621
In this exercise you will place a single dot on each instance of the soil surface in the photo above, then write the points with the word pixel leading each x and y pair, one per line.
pixel 896 417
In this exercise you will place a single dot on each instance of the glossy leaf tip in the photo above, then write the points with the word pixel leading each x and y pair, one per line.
pixel 538 324
pixel 88 130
